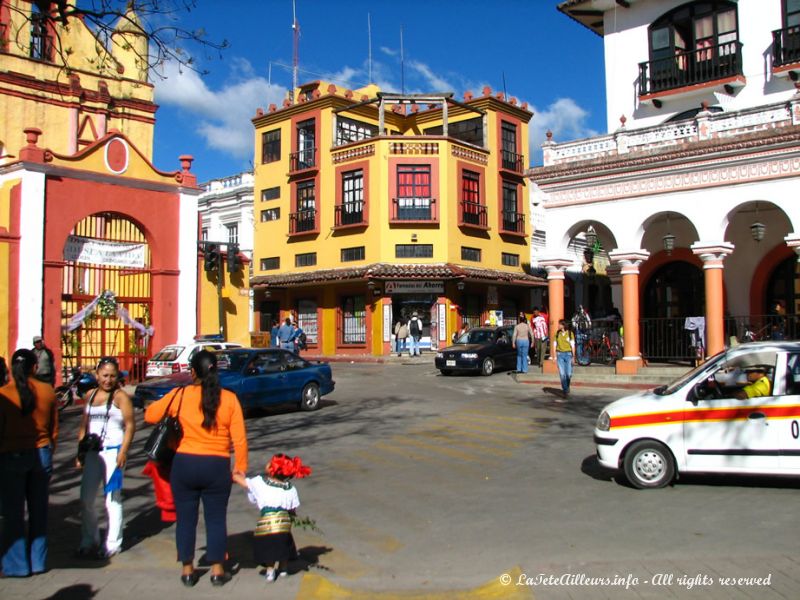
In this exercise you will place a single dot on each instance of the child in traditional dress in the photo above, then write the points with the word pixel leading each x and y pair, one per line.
pixel 277 500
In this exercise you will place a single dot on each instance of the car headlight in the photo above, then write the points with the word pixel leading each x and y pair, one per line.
pixel 603 422
pixel 439 355
pixel 469 355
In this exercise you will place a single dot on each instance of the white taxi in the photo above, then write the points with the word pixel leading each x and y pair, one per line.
pixel 705 423
pixel 175 358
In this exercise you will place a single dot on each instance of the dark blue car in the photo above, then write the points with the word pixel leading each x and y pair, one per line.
pixel 258 376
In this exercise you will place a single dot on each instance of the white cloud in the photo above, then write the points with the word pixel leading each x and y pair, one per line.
pixel 564 118
pixel 223 114
pixel 434 81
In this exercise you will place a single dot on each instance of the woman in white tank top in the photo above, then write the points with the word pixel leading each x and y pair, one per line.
pixel 108 415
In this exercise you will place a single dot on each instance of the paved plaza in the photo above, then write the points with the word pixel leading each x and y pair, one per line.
pixel 449 487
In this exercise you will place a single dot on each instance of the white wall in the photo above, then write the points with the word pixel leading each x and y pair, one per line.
pixel 626 45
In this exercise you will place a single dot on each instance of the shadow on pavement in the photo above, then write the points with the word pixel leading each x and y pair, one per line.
pixel 591 467
pixel 79 591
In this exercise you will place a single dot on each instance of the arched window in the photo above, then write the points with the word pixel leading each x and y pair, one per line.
pixel 694 43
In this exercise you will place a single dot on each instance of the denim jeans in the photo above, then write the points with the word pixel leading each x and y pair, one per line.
pixel 565 369
pixel 196 477
pixel 523 347
pixel 580 348
pixel 25 481
pixel 413 347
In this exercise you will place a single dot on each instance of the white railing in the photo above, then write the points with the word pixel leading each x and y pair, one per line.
pixel 704 126
pixel 226 183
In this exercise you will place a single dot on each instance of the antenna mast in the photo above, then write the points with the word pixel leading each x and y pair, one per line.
pixel 296 50
pixel 402 64
pixel 369 39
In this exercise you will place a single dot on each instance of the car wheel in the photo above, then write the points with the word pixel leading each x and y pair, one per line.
pixel 487 366
pixel 649 464
pixel 63 397
pixel 310 398
pixel 446 372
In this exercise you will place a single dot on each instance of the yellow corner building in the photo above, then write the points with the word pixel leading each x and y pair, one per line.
pixel 371 206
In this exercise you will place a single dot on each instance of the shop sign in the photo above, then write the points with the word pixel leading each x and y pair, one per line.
pixel 414 287
pixel 387 323
pixel 442 323
pixel 98 252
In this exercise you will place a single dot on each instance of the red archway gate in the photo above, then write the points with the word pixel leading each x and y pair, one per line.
pixel 106 252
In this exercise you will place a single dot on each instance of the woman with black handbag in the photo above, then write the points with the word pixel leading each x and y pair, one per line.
pixel 28 432
pixel 211 421
pixel 104 437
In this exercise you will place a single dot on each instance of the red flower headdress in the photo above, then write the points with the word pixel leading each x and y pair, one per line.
pixel 282 466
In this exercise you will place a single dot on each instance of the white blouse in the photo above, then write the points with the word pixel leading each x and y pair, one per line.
pixel 264 495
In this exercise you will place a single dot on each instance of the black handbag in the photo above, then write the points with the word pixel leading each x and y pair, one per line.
pixel 166 435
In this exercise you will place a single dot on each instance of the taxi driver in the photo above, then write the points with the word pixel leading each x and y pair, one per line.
pixel 757 383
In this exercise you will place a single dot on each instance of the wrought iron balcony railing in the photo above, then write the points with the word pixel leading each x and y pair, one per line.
pixel 513 222
pixel 691 67
pixel 303 221
pixel 474 213
pixel 513 161
pixel 349 213
pixel 785 46
pixel 414 209
pixel 303 159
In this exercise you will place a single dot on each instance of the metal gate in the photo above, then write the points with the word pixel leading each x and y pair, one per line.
pixel 84 279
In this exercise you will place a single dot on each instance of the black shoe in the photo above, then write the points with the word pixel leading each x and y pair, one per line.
pixel 189 580
pixel 220 580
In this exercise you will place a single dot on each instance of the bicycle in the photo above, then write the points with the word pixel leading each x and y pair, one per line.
pixel 599 349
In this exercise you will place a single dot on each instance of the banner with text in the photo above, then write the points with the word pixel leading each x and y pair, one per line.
pixel 99 252
pixel 414 287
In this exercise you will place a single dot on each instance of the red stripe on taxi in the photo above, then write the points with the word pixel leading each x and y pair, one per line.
pixel 726 413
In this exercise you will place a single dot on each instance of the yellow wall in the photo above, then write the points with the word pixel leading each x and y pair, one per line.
pixel 51 108
pixel 236 303
pixel 5 266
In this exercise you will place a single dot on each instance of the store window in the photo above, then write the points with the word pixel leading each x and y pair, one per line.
pixel 307 319
pixel 354 320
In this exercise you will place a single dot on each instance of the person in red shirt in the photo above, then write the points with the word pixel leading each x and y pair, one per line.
pixel 212 421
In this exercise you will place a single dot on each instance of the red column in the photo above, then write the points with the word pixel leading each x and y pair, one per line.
pixel 712 257
pixel 629 270
pixel 555 310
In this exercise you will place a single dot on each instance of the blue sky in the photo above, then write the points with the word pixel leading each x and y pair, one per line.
pixel 547 60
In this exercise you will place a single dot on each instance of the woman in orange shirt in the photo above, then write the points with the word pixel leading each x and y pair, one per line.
pixel 212 420
pixel 28 432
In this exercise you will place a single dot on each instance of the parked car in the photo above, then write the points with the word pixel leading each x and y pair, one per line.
pixel 258 376
pixel 175 357
pixel 481 350
pixel 703 423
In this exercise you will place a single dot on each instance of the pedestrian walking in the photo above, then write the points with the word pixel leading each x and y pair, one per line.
pixel 565 355
pixel 401 329
pixel 277 501
pixel 108 417
pixel 415 335
pixel 28 433
pixel 582 326
pixel 521 340
pixel 274 342
pixel 285 335
pixel 540 335
pixel 298 338
pixel 212 422
pixel 46 371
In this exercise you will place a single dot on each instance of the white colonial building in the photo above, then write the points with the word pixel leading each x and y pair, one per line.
pixel 693 192
pixel 226 215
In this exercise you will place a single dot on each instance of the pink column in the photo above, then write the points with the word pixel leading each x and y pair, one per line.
pixel 712 257
pixel 629 270
pixel 555 290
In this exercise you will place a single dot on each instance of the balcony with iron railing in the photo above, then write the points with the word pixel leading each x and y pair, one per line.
pixel 414 210
pixel 691 67
pixel 474 214
pixel 349 214
pixel 786 46
pixel 303 221
pixel 511 161
pixel 512 222
pixel 303 160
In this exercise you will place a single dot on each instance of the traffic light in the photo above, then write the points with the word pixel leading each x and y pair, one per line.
pixel 234 262
pixel 211 258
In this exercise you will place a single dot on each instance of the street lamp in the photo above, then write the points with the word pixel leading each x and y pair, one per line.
pixel 591 237
pixel 758 229
pixel 669 239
